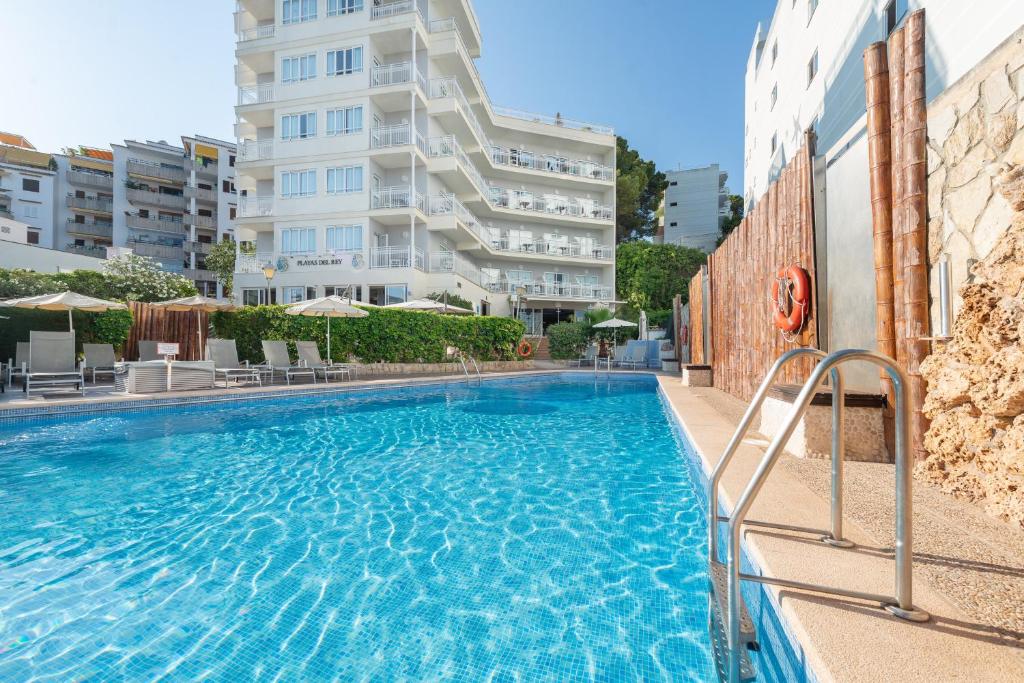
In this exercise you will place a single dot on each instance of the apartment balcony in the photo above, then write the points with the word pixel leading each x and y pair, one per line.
pixel 560 248
pixel 396 257
pixel 255 94
pixel 397 135
pixel 99 229
pixel 393 9
pixel 166 252
pixel 448 146
pixel 257 33
pixel 157 171
pixel 448 205
pixel 199 274
pixel 253 150
pixel 554 290
pixel 549 163
pixel 398 197
pixel 550 204
pixel 198 247
pixel 170 226
pixel 252 264
pixel 208 222
pixel 201 194
pixel 5 212
pixel 150 198
pixel 94 204
pixel 255 207
pixel 81 250
pixel 101 181
pixel 449 88
pixel 386 75
pixel 450 262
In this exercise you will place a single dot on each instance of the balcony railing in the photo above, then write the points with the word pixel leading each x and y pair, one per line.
pixel 397 135
pixel 383 75
pixel 81 250
pixel 393 9
pixel 201 221
pixel 255 207
pixel 554 290
pixel 256 33
pixel 5 212
pixel 441 88
pixel 550 163
pixel 90 204
pixel 253 150
pixel 399 197
pixel 550 204
pixel 256 94
pixel 450 262
pixel 154 250
pixel 170 201
pixel 199 274
pixel 253 263
pixel 448 205
pixel 151 169
pixel 198 247
pixel 101 180
pixel 168 225
pixel 92 229
pixel 202 194
pixel 553 120
pixel 448 146
pixel 396 257
pixel 563 248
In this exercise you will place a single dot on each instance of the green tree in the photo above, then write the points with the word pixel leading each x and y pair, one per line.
pixel 221 260
pixel 638 189
pixel 649 275
pixel 734 219
pixel 138 278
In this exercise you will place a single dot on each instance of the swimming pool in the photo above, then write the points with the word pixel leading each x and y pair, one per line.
pixel 547 528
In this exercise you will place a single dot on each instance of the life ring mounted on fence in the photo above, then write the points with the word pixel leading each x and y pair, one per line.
pixel 791 297
pixel 524 349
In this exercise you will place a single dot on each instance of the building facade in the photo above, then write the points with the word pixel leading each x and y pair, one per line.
pixel 696 202
pixel 371 162
pixel 806 71
pixel 27 188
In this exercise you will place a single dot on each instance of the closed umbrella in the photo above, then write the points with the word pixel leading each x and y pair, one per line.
pixel 614 324
pixel 327 307
pixel 643 325
pixel 200 304
pixel 65 301
pixel 430 306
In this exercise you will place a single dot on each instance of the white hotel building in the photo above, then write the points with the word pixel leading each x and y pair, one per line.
pixel 372 162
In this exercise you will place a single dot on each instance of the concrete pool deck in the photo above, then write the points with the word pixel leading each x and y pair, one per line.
pixel 968 568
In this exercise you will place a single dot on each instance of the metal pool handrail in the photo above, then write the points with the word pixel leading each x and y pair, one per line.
pixel 901 605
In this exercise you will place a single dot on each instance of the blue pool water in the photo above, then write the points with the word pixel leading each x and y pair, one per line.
pixel 527 530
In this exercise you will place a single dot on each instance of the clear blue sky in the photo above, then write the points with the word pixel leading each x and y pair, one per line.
pixel 668 74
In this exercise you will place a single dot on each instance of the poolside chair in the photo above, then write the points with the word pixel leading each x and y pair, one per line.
pixel 224 355
pixel 147 351
pixel 278 361
pixel 636 355
pixel 309 356
pixel 587 358
pixel 98 358
pixel 16 364
pixel 51 362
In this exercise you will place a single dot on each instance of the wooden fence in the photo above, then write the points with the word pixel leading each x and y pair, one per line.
pixel 779 232
pixel 697 319
pixel 158 324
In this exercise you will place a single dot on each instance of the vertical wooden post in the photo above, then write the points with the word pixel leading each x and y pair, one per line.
pixel 896 95
pixel 915 240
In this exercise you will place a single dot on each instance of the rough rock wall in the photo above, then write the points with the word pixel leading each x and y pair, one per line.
pixel 975 394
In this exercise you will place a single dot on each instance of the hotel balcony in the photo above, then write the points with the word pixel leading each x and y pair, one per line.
pixel 549 163
pixel 385 75
pixel 252 150
pixel 156 171
pixel 5 212
pixel 81 250
pixel 207 222
pixel 396 257
pixel 448 146
pixel 561 248
pixel 201 194
pixel 554 290
pixel 173 227
pixel 102 181
pixel 199 274
pixel 393 9
pixel 256 33
pixel 450 262
pixel 550 204
pixel 93 204
pixel 99 229
pixel 158 251
pixel 198 247
pixel 167 201
pixel 255 94
pixel 255 207
pixel 399 197
pixel 449 88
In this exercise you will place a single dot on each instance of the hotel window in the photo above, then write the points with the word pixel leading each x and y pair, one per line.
pixel 388 294
pixel 298 183
pixel 298 68
pixel 345 121
pixel 774 98
pixel 812 67
pixel 298 240
pixel 298 126
pixel 258 297
pixel 354 292
pixel 337 7
pixel 344 179
pixel 519 276
pixel 293 295
pixel 30 185
pixel 347 61
pixel 345 238
pixel 295 11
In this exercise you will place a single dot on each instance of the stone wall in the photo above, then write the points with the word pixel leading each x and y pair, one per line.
pixel 975 381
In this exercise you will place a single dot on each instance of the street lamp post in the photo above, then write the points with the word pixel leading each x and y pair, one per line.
pixel 269 271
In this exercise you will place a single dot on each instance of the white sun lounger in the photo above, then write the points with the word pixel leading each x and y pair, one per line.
pixel 309 356
pixel 278 361
pixel 51 363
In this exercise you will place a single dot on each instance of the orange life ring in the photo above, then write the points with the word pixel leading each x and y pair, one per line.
pixel 798 288
pixel 524 349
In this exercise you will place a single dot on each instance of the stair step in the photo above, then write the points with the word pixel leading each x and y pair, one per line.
pixel 720 647
pixel 720 592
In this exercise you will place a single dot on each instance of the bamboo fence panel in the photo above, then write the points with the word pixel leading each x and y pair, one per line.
pixel 152 323
pixel 697 319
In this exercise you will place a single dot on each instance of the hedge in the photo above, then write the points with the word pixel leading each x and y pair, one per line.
pixel 111 327
pixel 567 340
pixel 390 336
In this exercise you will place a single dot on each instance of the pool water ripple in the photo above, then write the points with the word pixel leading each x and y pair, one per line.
pixel 449 533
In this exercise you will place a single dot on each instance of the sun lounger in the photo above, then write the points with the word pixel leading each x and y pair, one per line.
pixel 15 365
pixel 309 356
pixel 587 358
pixel 636 355
pixel 224 355
pixel 98 358
pixel 51 363
pixel 278 361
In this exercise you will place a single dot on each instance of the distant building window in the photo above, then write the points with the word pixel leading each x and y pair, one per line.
pixel 774 98
pixel 232 212
pixel 812 67
pixel 892 16
pixel 337 7
pixel 298 68
pixel 775 51
pixel 346 61
pixel 344 179
pixel 672 225
pixel 31 211
pixel 30 185
pixel 775 142
pixel 293 295
pixel 32 237
pixel 295 11
pixel 298 183
pixel 673 183
pixel 674 204
pixel 231 161
pixel 811 6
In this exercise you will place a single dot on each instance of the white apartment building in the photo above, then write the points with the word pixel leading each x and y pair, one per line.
pixel 696 203
pixel 806 70
pixel 372 162
pixel 85 202
pixel 27 186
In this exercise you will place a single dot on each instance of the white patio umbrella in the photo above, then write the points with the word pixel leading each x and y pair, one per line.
pixel 613 324
pixel 430 306
pixel 643 325
pixel 200 304
pixel 65 301
pixel 327 307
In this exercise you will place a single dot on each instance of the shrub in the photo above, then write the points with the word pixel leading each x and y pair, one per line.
pixel 111 327
pixel 385 335
pixel 567 340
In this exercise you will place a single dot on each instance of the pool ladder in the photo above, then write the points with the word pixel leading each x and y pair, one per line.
pixel 465 369
pixel 732 630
